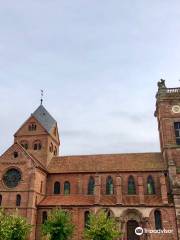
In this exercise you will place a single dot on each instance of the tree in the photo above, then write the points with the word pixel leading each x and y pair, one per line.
pixel 101 227
pixel 58 225
pixel 13 227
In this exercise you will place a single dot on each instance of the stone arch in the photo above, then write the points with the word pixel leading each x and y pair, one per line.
pixel 131 214
pixel 107 210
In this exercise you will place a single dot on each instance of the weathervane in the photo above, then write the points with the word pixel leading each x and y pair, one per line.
pixel 42 94
pixel 162 75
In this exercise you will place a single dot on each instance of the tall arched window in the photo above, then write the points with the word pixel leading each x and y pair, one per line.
pixel 150 185
pixel 0 199
pixel 55 151
pixel 51 147
pixel 37 145
pixel 44 216
pixel 24 144
pixel 158 219
pixel 57 188
pixel 131 185
pixel 91 185
pixel 18 200
pixel 86 219
pixel 66 188
pixel 109 186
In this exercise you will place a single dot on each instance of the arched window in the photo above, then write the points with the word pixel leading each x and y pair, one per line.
pixel 86 219
pixel 0 199
pixel 158 219
pixel 131 185
pixel 15 154
pixel 57 188
pixel 66 188
pixel 109 186
pixel 18 200
pixel 37 145
pixel 24 144
pixel 51 147
pixel 91 185
pixel 150 185
pixel 108 213
pixel 44 216
pixel 55 151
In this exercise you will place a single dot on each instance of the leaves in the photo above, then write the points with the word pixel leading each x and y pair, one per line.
pixel 13 227
pixel 101 227
pixel 58 226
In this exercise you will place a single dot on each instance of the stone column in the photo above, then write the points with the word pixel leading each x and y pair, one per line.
pixel 118 190
pixel 163 189
pixel 140 189
pixel 97 189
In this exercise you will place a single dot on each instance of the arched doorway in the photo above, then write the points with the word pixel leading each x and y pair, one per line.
pixel 131 226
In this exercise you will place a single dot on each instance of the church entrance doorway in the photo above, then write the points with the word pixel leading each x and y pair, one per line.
pixel 131 226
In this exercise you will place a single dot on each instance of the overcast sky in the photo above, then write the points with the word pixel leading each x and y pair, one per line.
pixel 98 63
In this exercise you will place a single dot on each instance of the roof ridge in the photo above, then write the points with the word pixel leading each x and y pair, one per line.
pixel 107 154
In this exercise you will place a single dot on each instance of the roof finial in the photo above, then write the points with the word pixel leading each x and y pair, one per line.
pixel 42 94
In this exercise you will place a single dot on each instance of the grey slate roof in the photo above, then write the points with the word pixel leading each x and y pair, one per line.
pixel 44 118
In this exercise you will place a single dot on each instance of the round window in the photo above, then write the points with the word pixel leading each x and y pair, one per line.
pixel 12 177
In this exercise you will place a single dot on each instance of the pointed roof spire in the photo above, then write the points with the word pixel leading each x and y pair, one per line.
pixel 44 117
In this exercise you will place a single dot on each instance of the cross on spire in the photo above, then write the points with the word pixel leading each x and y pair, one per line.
pixel 42 94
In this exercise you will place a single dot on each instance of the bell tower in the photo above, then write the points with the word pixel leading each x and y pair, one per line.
pixel 168 116
pixel 39 136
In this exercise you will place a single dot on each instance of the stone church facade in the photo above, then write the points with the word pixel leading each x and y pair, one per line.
pixel 138 189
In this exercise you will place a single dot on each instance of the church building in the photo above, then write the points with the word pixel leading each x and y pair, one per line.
pixel 138 189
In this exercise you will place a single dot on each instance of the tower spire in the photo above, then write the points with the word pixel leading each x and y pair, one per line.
pixel 42 94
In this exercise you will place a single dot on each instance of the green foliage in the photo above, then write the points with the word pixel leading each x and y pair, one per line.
pixel 13 227
pixel 101 227
pixel 58 226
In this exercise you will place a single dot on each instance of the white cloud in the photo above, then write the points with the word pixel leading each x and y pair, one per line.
pixel 98 62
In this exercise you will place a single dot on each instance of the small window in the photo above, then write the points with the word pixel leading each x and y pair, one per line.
pixel 131 185
pixel 41 187
pixel 66 188
pixel 177 132
pixel 55 151
pixel 91 185
pixel 24 144
pixel 158 219
pixel 44 216
pixel 150 185
pixel 37 145
pixel 109 186
pixel 18 200
pixel 15 154
pixel 32 127
pixel 108 213
pixel 57 189
pixel 86 219
pixel 51 147
pixel 0 199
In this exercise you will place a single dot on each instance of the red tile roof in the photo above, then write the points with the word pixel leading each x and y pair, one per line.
pixel 67 200
pixel 85 200
pixel 107 162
